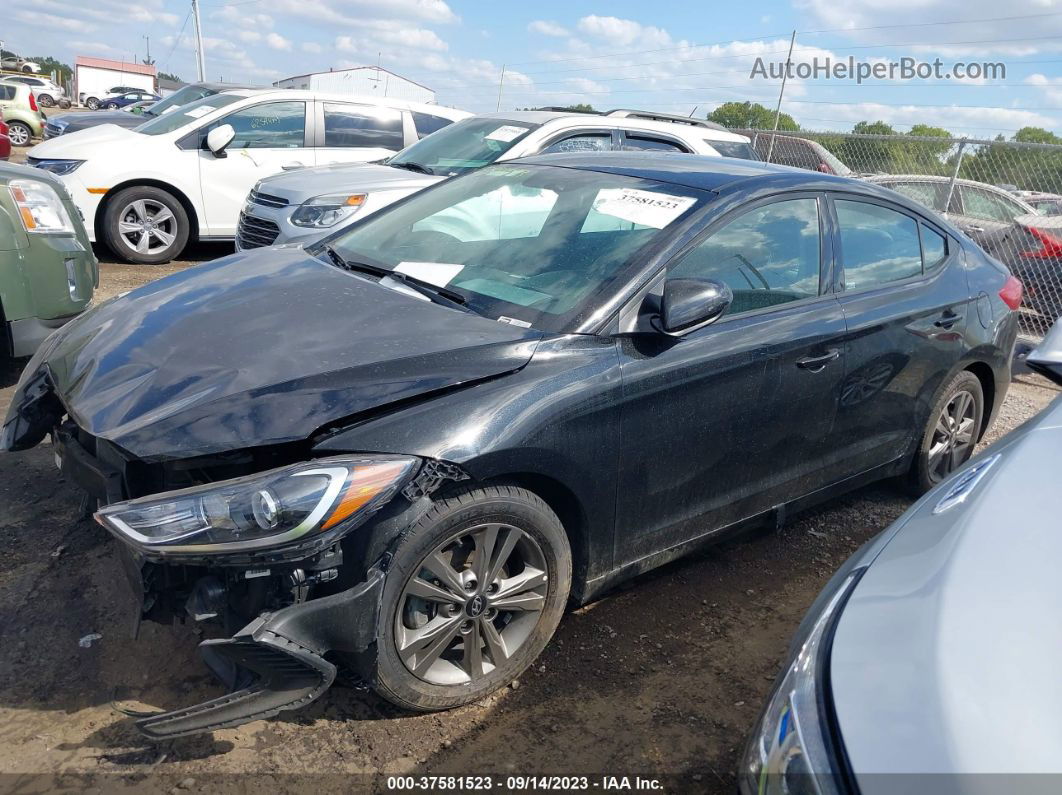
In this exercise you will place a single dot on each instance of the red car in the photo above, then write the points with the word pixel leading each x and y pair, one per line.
pixel 5 142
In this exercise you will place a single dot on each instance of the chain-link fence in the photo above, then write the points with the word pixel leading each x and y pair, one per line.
pixel 1006 196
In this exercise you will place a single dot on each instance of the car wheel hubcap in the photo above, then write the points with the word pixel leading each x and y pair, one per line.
pixel 18 135
pixel 147 227
pixel 471 604
pixel 953 436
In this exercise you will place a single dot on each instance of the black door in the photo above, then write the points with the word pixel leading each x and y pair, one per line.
pixel 731 419
pixel 905 297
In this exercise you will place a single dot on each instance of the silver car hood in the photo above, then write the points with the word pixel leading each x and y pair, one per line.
pixel 298 186
pixel 946 658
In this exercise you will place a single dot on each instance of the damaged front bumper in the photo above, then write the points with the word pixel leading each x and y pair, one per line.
pixel 285 652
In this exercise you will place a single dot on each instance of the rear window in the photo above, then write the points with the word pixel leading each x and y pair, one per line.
pixel 427 123
pixel 734 149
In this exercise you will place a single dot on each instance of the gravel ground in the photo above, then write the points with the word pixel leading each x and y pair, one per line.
pixel 663 676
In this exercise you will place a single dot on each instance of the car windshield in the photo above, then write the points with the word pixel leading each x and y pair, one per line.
pixel 463 146
pixel 534 246
pixel 160 125
pixel 181 96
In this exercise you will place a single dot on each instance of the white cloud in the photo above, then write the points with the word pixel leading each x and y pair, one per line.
pixel 547 28
pixel 249 36
pixel 63 23
pixel 1050 87
pixel 985 25
pixel 92 47
pixel 623 32
pixel 277 42
pixel 311 47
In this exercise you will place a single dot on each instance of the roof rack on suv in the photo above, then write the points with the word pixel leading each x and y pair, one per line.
pixel 669 117
pixel 563 109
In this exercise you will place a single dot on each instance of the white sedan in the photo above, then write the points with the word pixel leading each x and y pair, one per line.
pixel 147 192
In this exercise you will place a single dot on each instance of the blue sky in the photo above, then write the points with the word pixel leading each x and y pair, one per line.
pixel 666 56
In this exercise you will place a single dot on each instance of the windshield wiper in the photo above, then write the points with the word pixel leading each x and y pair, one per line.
pixel 433 292
pixel 409 166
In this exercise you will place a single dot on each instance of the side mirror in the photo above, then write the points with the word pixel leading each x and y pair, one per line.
pixel 219 138
pixel 690 304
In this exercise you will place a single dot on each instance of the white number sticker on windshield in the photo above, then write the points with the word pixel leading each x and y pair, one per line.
pixel 643 207
pixel 505 134
pixel 438 273
pixel 195 113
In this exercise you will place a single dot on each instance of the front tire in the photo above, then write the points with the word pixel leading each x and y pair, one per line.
pixel 474 593
pixel 111 106
pixel 92 103
pixel 951 433
pixel 145 225
pixel 19 133
pixel 45 100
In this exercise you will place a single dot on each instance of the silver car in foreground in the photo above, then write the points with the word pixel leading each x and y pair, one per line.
pixel 932 661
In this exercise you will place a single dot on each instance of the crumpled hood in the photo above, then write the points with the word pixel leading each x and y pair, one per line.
pixel 72 122
pixel 297 186
pixel 946 657
pixel 260 348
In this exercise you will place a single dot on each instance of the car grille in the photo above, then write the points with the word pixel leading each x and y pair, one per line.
pixel 266 200
pixel 255 232
pixel 51 130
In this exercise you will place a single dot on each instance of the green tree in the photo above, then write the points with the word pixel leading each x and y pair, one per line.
pixel 871 155
pixel 751 116
pixel 168 76
pixel 50 65
pixel 928 157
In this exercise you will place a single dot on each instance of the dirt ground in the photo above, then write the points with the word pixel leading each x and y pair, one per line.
pixel 663 677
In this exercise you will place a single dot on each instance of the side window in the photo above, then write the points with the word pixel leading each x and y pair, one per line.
pixel 979 203
pixel 641 143
pixel 878 245
pixel 426 123
pixel 274 125
pixel 363 125
pixel 928 194
pixel 738 149
pixel 585 142
pixel 934 249
pixel 767 256
pixel 7 93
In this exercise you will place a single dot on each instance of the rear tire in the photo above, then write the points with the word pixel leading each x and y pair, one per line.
pixel 92 103
pixel 951 433
pixel 111 106
pixel 482 647
pixel 146 225
pixel 45 100
pixel 19 133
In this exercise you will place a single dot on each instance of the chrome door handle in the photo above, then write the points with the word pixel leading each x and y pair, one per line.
pixel 817 363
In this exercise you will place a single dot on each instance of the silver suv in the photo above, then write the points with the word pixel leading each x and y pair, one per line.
pixel 302 205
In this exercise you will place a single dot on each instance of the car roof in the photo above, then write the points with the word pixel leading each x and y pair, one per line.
pixel 970 183
pixel 702 172
pixel 383 102
pixel 704 132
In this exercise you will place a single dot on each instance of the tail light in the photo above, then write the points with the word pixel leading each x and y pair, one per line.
pixel 1011 292
pixel 33 103
pixel 1049 246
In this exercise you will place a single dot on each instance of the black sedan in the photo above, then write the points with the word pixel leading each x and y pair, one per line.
pixel 403 450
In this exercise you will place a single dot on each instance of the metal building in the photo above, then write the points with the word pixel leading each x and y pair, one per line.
pixel 370 80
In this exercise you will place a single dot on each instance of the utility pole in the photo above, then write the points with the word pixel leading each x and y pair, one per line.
pixel 147 59
pixel 501 82
pixel 781 91
pixel 200 61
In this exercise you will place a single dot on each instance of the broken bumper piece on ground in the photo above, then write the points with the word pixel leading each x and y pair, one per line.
pixel 285 652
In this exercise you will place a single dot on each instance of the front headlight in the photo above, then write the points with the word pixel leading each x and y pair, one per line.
pixel 321 212
pixel 791 750
pixel 59 167
pixel 40 207
pixel 263 510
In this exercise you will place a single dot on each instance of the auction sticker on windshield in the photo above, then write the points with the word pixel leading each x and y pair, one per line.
pixel 438 273
pixel 505 134
pixel 641 206
pixel 195 113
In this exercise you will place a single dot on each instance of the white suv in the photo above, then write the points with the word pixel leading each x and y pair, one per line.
pixel 305 205
pixel 147 191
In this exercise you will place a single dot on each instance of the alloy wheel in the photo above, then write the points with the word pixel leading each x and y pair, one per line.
pixel 19 134
pixel 471 604
pixel 953 436
pixel 147 226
